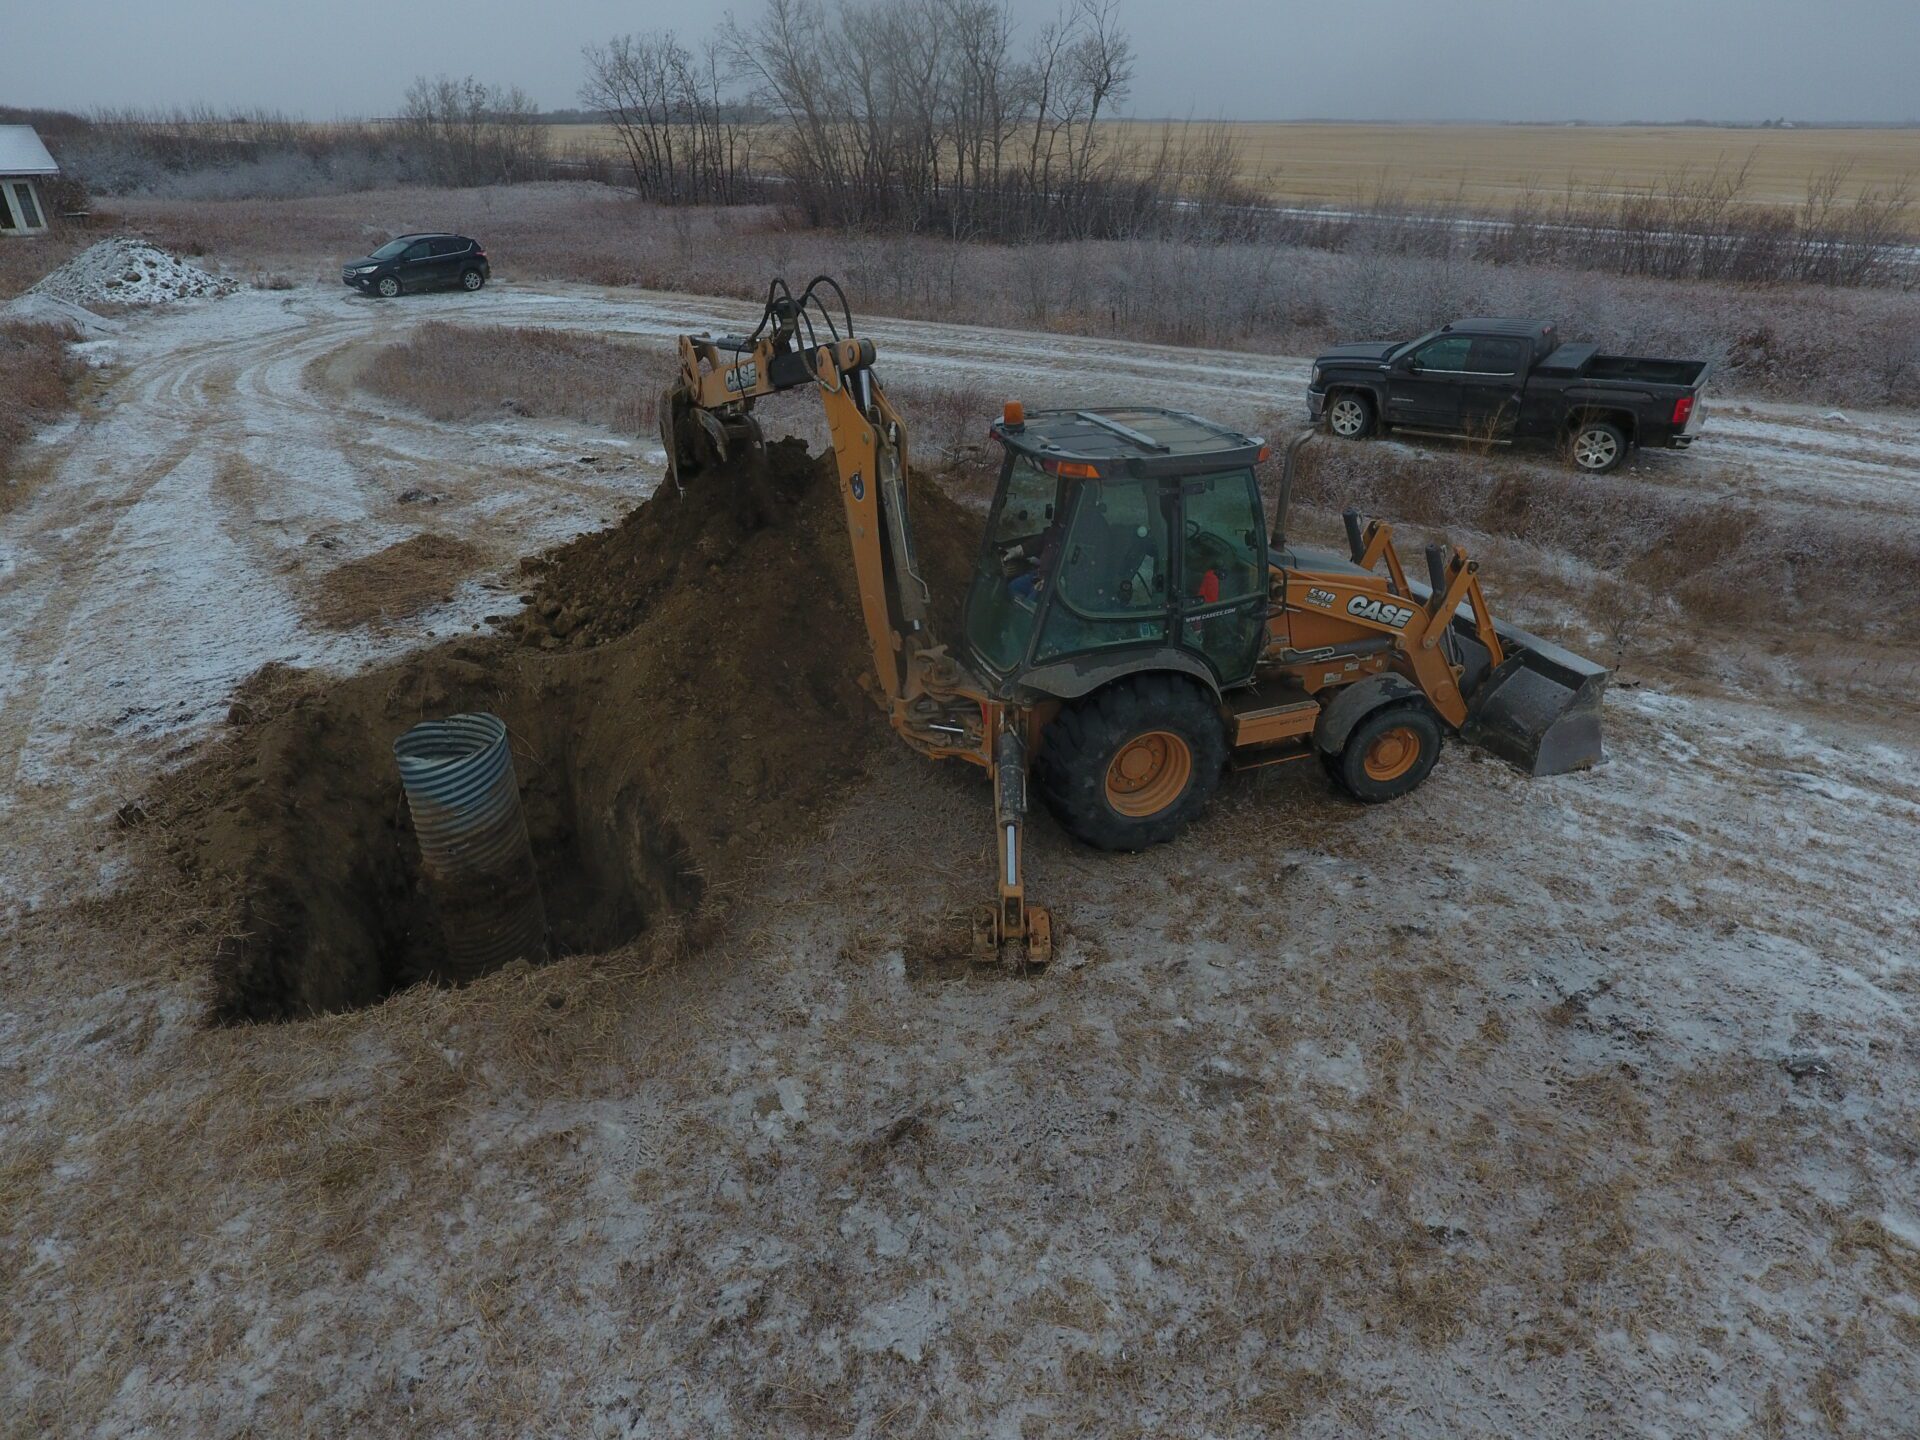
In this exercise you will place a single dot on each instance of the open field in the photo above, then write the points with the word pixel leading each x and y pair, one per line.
pixel 1491 166
pixel 1581 1107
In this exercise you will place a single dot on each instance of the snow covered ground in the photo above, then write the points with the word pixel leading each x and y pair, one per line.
pixel 1580 1107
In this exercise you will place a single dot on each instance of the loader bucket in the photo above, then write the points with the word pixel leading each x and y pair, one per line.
pixel 1539 709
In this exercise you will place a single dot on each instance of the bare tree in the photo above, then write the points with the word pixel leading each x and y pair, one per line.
pixel 474 133
pixel 683 137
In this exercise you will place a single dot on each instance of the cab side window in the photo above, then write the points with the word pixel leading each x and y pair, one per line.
pixel 1449 352
pixel 1492 355
pixel 1223 572
pixel 1221 555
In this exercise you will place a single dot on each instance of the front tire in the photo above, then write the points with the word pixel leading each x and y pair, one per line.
pixel 1128 766
pixel 1388 754
pixel 1597 447
pixel 388 287
pixel 471 280
pixel 1350 416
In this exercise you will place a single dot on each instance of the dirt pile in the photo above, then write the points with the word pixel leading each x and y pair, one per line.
pixel 697 707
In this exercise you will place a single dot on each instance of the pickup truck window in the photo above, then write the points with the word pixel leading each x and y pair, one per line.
pixel 1447 353
pixel 1492 355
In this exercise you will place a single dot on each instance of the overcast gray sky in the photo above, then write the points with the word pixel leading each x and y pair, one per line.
pixel 1242 59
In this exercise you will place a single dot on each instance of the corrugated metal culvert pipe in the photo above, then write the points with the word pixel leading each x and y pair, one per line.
pixel 465 801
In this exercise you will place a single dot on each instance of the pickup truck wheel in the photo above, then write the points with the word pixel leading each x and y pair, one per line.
pixel 1598 447
pixel 1350 416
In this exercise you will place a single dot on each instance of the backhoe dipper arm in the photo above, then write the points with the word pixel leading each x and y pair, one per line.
pixel 709 410
pixel 869 444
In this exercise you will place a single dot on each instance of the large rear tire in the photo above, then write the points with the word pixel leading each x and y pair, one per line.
pixel 1388 754
pixel 1128 766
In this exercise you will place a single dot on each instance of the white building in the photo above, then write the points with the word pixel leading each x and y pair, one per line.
pixel 24 162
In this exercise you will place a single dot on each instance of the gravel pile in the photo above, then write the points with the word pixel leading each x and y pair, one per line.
pixel 125 271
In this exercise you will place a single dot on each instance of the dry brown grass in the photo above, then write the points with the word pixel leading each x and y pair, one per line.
pixel 36 378
pixel 1723 560
pixel 466 372
pixel 24 262
pixel 405 578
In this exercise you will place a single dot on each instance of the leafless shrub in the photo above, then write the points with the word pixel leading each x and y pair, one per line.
pixel 1687 225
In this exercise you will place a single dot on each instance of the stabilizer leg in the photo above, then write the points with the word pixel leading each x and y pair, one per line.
pixel 1012 923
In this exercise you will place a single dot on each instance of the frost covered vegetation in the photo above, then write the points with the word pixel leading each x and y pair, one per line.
pixel 35 371
pixel 464 372
pixel 1856 346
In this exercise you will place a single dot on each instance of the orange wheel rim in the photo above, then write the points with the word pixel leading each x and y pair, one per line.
pixel 1149 774
pixel 1391 754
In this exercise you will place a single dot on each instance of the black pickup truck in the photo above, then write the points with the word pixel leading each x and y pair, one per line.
pixel 1510 380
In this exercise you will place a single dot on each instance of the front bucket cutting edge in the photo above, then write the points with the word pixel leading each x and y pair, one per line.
pixel 1540 710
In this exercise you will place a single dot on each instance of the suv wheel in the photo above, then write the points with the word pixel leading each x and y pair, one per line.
pixel 388 287
pixel 471 279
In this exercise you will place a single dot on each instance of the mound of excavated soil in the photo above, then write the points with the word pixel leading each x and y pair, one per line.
pixel 683 698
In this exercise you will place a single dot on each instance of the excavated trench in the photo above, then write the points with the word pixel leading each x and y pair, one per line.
pixel 682 697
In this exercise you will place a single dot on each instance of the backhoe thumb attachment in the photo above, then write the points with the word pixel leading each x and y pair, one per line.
pixel 697 440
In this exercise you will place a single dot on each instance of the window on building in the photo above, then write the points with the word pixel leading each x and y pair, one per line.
pixel 29 212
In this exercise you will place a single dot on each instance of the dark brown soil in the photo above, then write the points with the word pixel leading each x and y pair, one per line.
pixel 683 698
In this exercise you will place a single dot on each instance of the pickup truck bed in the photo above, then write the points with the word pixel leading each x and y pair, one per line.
pixel 1510 381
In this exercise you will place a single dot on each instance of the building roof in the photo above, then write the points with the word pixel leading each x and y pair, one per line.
pixel 21 152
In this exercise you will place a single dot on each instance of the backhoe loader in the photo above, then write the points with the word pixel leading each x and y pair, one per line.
pixel 1134 626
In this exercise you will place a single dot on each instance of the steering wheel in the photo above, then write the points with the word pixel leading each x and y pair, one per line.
pixel 1193 529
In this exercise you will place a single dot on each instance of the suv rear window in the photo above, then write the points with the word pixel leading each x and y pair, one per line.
pixel 449 245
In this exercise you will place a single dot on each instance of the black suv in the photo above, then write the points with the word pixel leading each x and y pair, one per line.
pixel 419 262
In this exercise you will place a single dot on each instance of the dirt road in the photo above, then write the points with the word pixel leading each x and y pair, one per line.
pixel 1575 1107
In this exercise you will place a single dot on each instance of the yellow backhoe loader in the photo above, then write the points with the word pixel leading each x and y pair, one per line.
pixel 1133 625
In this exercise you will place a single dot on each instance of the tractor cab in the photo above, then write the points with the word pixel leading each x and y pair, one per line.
pixel 1120 540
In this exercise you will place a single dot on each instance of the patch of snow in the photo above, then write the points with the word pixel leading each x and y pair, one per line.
pixel 47 309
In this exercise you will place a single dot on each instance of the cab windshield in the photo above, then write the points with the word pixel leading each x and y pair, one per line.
pixel 1005 595
pixel 391 249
